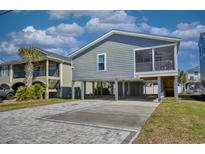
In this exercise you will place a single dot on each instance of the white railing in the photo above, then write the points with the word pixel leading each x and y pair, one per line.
pixel 159 66
pixel 164 65
pixel 143 67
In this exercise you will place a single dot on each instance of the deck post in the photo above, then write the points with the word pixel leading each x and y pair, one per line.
pixel 116 90
pixel 159 88
pixel 82 90
pixel 101 88
pixel 93 87
pixel 11 74
pixel 47 80
pixel 176 87
pixel 73 90
pixel 111 83
pixel 153 60
pixel 175 58
pixel 123 88
pixel 128 89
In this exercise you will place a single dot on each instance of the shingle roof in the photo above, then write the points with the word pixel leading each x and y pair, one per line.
pixel 48 55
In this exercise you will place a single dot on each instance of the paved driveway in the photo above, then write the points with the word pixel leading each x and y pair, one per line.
pixel 89 121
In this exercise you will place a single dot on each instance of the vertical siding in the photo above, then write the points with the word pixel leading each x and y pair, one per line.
pixel 120 58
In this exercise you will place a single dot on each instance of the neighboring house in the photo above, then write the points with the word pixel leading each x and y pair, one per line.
pixel 127 60
pixel 202 57
pixel 53 72
pixel 193 80
pixel 193 74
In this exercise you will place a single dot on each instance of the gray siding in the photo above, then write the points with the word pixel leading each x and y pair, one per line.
pixel 120 58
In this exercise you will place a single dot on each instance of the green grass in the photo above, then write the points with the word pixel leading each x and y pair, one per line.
pixel 175 122
pixel 32 103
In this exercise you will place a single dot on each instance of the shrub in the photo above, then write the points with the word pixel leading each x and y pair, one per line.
pixel 32 92
pixel 105 91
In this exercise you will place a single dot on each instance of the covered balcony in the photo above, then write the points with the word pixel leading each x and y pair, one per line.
pixel 156 59
pixel 39 69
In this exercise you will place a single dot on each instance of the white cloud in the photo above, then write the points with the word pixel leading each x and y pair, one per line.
pixel 60 36
pixel 7 48
pixel 100 21
pixel 189 44
pixel 113 20
pixel 144 27
pixel 65 30
pixel 60 14
pixel 96 25
pixel 188 31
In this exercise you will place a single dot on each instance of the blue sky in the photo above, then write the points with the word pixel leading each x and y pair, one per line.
pixel 66 31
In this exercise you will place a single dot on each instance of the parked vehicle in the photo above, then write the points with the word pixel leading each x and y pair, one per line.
pixel 6 93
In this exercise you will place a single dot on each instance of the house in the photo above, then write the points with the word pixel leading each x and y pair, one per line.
pixel 53 71
pixel 201 45
pixel 193 74
pixel 127 61
pixel 193 80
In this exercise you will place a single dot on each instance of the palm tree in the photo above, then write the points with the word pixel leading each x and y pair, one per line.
pixel 29 54
pixel 182 79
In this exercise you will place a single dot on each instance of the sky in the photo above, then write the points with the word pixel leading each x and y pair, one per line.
pixel 63 32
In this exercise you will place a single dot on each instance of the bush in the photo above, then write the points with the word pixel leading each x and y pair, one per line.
pixel 27 93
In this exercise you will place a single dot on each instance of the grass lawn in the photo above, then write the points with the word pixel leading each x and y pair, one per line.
pixel 175 122
pixel 32 103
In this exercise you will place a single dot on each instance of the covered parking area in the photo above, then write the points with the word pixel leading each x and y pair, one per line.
pixel 116 89
pixel 145 88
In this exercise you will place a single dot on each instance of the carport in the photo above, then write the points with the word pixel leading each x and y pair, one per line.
pixel 120 89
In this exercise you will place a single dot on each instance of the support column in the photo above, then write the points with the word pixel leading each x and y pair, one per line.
pixel 153 60
pixel 61 79
pixel 116 90
pixel 101 89
pixel 128 89
pixel 145 89
pixel 93 86
pixel 73 90
pixel 159 88
pixel 85 88
pixel 123 88
pixel 82 90
pixel 111 83
pixel 47 82
pixel 11 74
pixel 175 58
pixel 176 87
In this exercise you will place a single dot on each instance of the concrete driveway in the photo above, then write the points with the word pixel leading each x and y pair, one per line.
pixel 88 121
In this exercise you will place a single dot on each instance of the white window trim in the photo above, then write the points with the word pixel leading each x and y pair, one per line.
pixel 105 62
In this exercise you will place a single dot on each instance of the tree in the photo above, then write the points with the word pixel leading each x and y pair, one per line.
pixel 182 78
pixel 29 55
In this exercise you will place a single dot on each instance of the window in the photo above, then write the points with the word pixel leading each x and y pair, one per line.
pixel 101 59
pixel 54 69
pixel 195 73
pixel 4 70
pixel 39 70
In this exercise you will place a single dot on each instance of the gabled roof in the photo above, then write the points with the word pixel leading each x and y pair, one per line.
pixel 127 33
pixel 48 55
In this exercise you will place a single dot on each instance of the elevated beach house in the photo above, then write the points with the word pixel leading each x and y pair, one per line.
pixel 126 61
pixel 53 71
